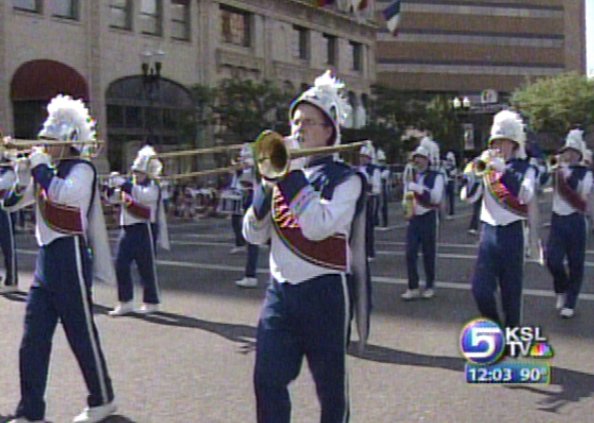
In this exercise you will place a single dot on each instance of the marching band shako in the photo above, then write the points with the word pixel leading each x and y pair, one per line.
pixel 231 202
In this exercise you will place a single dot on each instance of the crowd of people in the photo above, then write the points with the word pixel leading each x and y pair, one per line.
pixel 317 217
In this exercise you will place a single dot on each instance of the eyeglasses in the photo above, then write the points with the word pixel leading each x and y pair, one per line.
pixel 307 123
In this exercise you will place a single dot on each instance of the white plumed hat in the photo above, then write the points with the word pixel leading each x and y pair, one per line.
pixel 575 141
pixel 143 163
pixel 421 150
pixel 381 156
pixel 587 159
pixel 432 149
pixel 509 125
pixel 326 95
pixel 68 120
pixel 367 150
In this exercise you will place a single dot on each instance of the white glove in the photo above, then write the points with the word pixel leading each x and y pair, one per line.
pixel 564 171
pixel 498 164
pixel 39 157
pixel 297 164
pixel 418 188
pixel 22 169
pixel 117 181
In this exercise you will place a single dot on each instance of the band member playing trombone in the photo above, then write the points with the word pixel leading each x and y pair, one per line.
pixel 509 188
pixel 69 223
pixel 143 222
pixel 314 218
pixel 7 239
pixel 425 192
pixel 567 239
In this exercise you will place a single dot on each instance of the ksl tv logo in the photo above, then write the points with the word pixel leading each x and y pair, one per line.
pixel 483 341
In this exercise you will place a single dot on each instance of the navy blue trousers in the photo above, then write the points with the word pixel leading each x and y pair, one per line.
pixel 236 224
pixel 476 212
pixel 309 320
pixel 421 234
pixel 61 291
pixel 567 239
pixel 137 243
pixel 7 243
pixel 500 259
pixel 451 196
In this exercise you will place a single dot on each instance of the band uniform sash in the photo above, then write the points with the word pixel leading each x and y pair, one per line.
pixel 330 252
pixel 502 195
pixel 135 208
pixel 571 196
pixel 59 217
pixel 420 199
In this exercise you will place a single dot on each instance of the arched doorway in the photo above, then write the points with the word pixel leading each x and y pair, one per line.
pixel 35 83
pixel 162 116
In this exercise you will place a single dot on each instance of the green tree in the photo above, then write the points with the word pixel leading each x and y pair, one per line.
pixel 440 118
pixel 245 108
pixel 556 104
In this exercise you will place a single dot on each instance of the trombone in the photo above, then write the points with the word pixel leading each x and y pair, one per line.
pixel 22 148
pixel 273 157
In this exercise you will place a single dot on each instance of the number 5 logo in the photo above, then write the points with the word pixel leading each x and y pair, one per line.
pixel 482 341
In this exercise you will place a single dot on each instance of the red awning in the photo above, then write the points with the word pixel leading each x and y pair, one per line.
pixel 44 79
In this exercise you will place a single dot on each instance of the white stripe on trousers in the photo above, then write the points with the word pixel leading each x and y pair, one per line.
pixel 154 259
pixel 88 321
pixel 12 249
pixel 347 322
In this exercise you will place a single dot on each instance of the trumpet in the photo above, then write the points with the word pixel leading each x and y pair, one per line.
pixel 483 163
pixel 553 161
pixel 273 157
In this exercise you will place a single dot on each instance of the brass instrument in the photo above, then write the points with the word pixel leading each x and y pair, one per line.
pixel 20 149
pixel 483 162
pixel 408 200
pixel 273 157
pixel 553 162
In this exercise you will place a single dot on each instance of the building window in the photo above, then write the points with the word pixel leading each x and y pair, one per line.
pixel 236 26
pixel 300 42
pixel 356 56
pixel 67 9
pixel 331 47
pixel 180 19
pixel 151 16
pixel 120 14
pixel 28 5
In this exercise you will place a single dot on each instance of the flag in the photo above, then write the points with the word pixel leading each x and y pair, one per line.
pixel 322 3
pixel 392 16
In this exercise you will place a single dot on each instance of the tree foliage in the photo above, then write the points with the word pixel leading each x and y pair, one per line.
pixel 557 104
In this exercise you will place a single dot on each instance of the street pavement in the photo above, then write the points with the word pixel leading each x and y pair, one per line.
pixel 193 362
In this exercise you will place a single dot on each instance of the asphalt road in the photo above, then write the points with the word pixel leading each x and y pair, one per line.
pixel 193 362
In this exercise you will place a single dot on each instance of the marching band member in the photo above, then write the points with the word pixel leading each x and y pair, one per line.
pixel 7 239
pixel 246 179
pixel 567 238
pixel 385 178
pixel 143 222
pixel 374 187
pixel 314 220
pixel 427 187
pixel 69 223
pixel 451 175
pixel 509 187
pixel 241 184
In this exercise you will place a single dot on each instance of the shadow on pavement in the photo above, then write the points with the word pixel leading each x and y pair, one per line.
pixel 18 296
pixel 242 334
pixel 117 419
pixel 574 385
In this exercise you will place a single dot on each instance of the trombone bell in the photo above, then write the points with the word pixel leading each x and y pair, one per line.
pixel 272 155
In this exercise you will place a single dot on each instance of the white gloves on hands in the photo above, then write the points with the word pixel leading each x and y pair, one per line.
pixel 414 187
pixel 23 171
pixel 39 157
